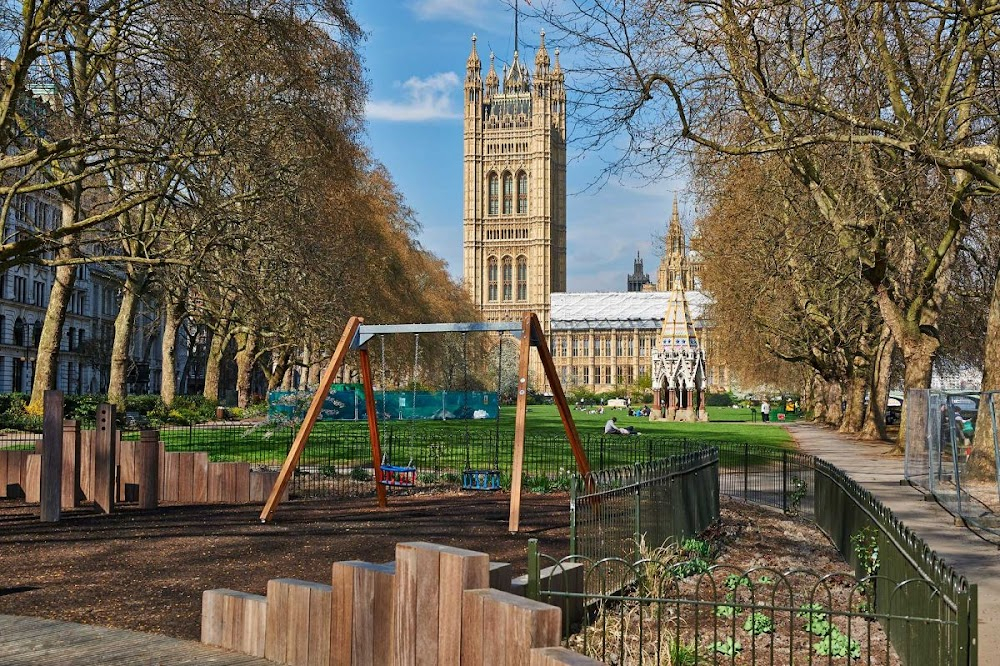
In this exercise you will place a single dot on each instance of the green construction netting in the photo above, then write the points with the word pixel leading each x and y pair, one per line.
pixel 347 403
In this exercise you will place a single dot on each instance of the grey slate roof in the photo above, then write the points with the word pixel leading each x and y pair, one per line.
pixel 618 309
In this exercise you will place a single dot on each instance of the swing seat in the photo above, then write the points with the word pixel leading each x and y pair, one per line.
pixel 481 479
pixel 398 476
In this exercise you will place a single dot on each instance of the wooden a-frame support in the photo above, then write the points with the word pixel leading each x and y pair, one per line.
pixel 531 336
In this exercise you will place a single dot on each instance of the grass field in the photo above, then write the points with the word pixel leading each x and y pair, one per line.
pixel 444 444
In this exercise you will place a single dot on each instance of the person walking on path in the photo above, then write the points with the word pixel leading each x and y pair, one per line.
pixel 765 410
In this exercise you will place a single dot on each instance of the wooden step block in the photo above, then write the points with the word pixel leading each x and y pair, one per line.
pixel 14 473
pixel 503 628
pixel 298 622
pixel 430 581
pixel 361 617
pixel 32 478
pixel 72 493
pixel 500 576
pixel 564 577
pixel 234 620
pixel 261 484
pixel 559 656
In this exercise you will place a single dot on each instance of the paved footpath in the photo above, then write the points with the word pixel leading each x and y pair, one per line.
pixel 870 465
pixel 32 641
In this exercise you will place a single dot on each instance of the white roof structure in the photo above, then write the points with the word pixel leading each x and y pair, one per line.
pixel 619 309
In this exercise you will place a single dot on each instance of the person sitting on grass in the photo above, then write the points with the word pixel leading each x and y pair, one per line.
pixel 611 428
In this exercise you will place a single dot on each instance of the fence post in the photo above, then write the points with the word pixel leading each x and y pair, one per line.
pixel 50 477
pixel 746 471
pixel 573 491
pixel 638 512
pixel 784 481
pixel 534 570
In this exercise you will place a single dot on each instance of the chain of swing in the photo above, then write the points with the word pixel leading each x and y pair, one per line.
pixel 472 478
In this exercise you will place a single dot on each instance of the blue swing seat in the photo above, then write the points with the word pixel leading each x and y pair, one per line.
pixel 481 479
pixel 398 475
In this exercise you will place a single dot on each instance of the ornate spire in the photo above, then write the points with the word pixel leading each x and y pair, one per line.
pixel 675 233
pixel 515 79
pixel 541 58
pixel 556 68
pixel 473 67
pixel 678 333
pixel 492 80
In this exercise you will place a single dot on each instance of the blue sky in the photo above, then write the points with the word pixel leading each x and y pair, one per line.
pixel 415 55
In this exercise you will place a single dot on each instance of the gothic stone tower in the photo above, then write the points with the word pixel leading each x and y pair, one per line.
pixel 676 263
pixel 515 186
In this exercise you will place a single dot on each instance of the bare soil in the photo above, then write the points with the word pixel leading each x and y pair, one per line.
pixel 146 570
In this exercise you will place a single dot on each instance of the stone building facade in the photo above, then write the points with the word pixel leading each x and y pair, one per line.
pixel 514 220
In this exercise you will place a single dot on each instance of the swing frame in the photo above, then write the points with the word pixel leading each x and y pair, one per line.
pixel 357 335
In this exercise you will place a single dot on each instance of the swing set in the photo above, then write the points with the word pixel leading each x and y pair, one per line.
pixel 357 335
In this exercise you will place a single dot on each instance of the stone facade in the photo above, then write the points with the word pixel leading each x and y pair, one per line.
pixel 514 221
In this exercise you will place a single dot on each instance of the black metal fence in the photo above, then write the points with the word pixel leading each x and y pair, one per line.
pixel 904 605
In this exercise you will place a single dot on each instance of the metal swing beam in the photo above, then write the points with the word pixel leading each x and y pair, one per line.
pixel 356 336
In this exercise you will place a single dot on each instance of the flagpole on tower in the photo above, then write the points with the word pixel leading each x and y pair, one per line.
pixel 515 25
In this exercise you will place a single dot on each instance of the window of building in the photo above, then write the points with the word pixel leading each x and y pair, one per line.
pixel 597 349
pixel 17 380
pixel 563 344
pixel 586 346
pixel 79 338
pixel 574 348
pixel 619 375
pixel 607 374
pixel 574 374
pixel 607 349
pixel 494 194
pixel 39 288
pixel 522 278
pixel 522 193
pixel 562 374
pixel 508 194
pixel 20 289
pixel 642 346
pixel 508 278
pixel 491 278
pixel 3 284
pixel 37 331
pixel 631 347
pixel 19 332
pixel 586 375
pixel 71 338
pixel 629 374
pixel 619 346
pixel 3 329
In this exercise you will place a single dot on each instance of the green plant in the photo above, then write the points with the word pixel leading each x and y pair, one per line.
pixel 765 580
pixel 818 625
pixel 807 610
pixel 360 474
pixel 690 567
pixel 728 647
pixel 327 471
pixel 795 495
pixel 428 477
pixel 682 654
pixel 727 612
pixel 733 581
pixel 836 644
pixel 759 623
pixel 697 548
pixel 865 543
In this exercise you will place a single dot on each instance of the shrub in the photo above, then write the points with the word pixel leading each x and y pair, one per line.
pixel 758 623
pixel 836 644
pixel 719 399
pixel 360 474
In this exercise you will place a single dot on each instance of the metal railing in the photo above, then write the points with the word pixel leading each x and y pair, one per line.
pixel 902 596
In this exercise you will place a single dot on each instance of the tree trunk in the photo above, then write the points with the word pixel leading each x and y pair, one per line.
pixel 278 370
pixel 135 283
pixel 982 462
pixel 47 358
pixel 245 358
pixel 874 427
pixel 834 409
pixel 213 365
pixel 173 315
pixel 854 415
pixel 817 398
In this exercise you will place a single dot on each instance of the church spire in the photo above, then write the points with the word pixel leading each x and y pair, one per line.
pixel 675 233
pixel 492 80
pixel 473 66
pixel 541 58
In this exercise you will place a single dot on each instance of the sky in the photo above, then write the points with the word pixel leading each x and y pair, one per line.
pixel 415 55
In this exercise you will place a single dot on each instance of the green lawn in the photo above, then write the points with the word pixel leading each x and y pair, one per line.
pixel 444 445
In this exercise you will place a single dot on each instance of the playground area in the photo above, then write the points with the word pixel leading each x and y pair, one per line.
pixel 146 570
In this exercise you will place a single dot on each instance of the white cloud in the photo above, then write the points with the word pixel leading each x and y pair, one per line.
pixel 468 11
pixel 423 99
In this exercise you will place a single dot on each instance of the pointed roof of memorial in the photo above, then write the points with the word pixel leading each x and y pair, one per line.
pixel 678 332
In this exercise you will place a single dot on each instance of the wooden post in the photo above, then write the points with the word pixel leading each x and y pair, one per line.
pixel 288 467
pixel 582 464
pixel 104 458
pixel 148 468
pixel 520 419
pixel 51 478
pixel 372 412
pixel 71 492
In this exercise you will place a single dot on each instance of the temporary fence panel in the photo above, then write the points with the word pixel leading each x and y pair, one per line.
pixel 349 405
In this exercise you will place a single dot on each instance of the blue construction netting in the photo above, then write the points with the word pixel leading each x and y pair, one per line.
pixel 348 404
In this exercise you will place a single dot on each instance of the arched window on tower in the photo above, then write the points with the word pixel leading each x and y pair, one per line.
pixel 508 278
pixel 493 185
pixel 508 194
pixel 522 278
pixel 522 193
pixel 491 278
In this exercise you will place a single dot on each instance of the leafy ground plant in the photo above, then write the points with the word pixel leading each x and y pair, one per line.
pixel 728 647
pixel 759 623
pixel 836 644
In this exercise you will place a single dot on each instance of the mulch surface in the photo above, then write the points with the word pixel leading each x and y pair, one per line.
pixel 146 570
